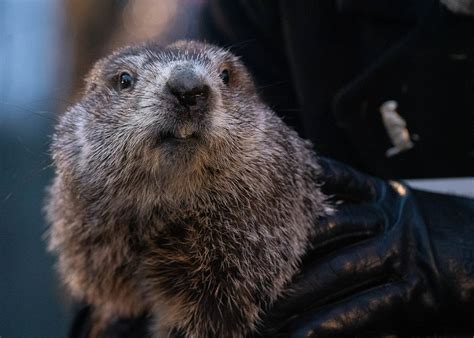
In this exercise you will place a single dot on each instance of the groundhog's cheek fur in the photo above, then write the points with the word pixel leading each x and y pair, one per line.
pixel 203 237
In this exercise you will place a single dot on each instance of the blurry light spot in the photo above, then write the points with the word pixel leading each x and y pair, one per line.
pixel 398 187
pixel 146 19
pixel 459 57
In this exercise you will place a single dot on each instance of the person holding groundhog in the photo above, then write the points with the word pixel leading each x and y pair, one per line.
pixel 386 88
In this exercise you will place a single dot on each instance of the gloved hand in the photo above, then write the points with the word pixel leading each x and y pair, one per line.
pixel 390 260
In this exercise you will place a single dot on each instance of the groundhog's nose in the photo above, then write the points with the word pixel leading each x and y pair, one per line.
pixel 188 87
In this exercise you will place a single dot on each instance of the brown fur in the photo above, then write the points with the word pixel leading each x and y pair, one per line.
pixel 203 234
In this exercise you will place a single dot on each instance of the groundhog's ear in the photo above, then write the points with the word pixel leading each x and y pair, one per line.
pixel 90 82
pixel 90 86
pixel 94 77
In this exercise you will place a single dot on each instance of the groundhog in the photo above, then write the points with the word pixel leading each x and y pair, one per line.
pixel 179 193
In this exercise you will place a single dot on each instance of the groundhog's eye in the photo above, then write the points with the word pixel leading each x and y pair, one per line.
pixel 125 80
pixel 224 75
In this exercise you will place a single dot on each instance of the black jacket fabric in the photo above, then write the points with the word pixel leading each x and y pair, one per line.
pixel 327 66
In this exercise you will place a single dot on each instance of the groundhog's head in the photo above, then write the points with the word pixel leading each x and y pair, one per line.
pixel 155 120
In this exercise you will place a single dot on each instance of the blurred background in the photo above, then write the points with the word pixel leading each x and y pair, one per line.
pixel 46 48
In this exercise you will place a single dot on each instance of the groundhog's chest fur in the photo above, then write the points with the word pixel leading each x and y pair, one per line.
pixel 202 269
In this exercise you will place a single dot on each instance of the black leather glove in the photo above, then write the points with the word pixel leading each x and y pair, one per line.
pixel 390 260
pixel 137 327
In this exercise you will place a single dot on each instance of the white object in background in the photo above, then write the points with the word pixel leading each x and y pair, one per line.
pixel 462 186
pixel 396 128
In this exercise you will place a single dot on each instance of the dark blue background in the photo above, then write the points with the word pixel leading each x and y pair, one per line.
pixel 31 90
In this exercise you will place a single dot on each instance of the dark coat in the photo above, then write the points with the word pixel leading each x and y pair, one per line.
pixel 327 67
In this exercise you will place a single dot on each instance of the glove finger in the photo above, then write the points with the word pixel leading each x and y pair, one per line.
pixel 343 182
pixel 367 311
pixel 82 322
pixel 134 327
pixel 332 278
pixel 351 223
